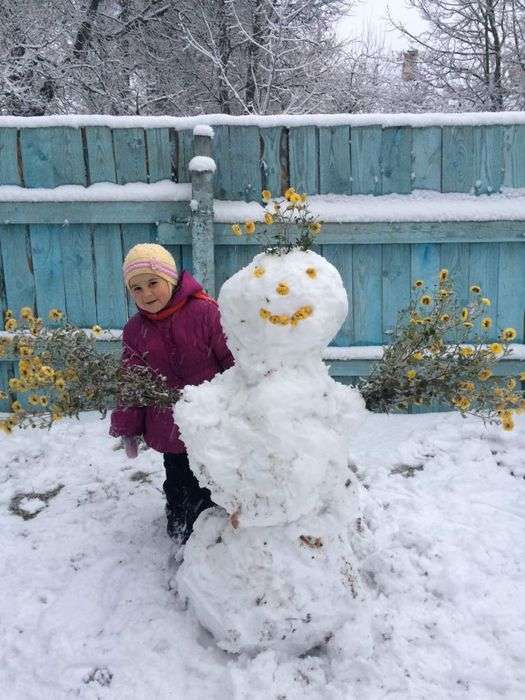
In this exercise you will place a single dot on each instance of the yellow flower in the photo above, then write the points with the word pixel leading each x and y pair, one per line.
pixel 462 403
pixel 26 312
pixel 485 301
pixel 475 288
pixel 464 313
pixel 289 192
pixel 14 384
pixel 11 325
pixel 258 271
pixel 34 400
pixel 236 230
pixel 56 415
pixel 315 228
pixel 444 293
pixel 511 383
pixel 264 313
pixel 311 272
pixel 16 407
pixel 3 395
pixel 507 423
pixel 96 329
pixel 484 374
pixel 486 322
pixel 443 275
pixel 466 351
pixel 508 334
pixel 43 400
pixel 418 283
pixel 8 314
pixel 295 198
pixel 266 196
pixel 444 318
pixel 6 426
pixel 282 288
pixel 249 227
pixel 411 374
pixel 60 383
pixel 25 351
pixel 468 324
pixel 522 376
pixel 467 386
pixel 417 357
pixel 268 218
pixel 55 315
pixel 496 348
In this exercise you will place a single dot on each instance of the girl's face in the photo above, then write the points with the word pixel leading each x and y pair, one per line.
pixel 150 292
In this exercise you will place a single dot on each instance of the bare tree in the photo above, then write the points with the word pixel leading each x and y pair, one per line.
pixel 472 52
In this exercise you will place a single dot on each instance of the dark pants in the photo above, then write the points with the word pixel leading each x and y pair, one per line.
pixel 185 499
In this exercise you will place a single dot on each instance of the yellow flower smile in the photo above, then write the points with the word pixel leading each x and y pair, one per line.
pixel 284 319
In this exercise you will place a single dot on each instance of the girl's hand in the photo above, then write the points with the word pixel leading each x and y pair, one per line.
pixel 131 446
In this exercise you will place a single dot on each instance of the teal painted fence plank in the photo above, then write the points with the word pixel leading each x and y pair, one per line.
pixel 514 155
pixel 458 163
pixel 273 160
pixel 109 286
pixel 246 163
pixel 303 159
pixel 424 263
pixel 455 257
pixel 5 375
pixel 19 283
pixel 396 160
pixel 130 155
pixel 100 157
pixel 79 281
pixel 396 285
pixel 159 154
pixel 228 260
pixel 52 156
pixel 222 156
pixel 9 174
pixel 366 159
pixel 341 257
pixel 335 170
pixel 426 146
pixel 511 288
pixel 46 255
pixel 488 159
pixel 484 271
pixel 187 259
pixel 185 154
pixel 367 294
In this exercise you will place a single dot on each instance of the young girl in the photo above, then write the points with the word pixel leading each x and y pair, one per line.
pixel 177 332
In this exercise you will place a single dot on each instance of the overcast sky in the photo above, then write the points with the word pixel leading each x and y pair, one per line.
pixel 373 13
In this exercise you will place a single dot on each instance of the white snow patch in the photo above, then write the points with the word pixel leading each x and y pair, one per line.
pixel 203 130
pixel 202 164
pixel 162 191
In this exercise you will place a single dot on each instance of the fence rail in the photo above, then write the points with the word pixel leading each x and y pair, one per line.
pixel 68 254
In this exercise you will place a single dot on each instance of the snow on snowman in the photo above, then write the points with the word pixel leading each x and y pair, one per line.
pixel 278 567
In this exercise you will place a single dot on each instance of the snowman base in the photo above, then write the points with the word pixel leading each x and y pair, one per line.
pixel 285 588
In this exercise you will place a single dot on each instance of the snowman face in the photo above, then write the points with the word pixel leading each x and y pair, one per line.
pixel 282 305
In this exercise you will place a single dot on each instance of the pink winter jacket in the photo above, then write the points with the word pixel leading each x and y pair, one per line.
pixel 188 347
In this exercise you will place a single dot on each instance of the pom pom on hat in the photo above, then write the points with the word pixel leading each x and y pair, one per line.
pixel 147 258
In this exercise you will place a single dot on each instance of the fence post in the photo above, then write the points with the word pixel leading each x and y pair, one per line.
pixel 202 167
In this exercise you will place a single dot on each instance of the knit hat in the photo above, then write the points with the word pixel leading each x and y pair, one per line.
pixel 149 257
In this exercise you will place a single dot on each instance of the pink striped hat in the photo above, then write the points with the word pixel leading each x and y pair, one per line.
pixel 146 258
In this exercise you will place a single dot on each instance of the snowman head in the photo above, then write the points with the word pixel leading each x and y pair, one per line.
pixel 281 309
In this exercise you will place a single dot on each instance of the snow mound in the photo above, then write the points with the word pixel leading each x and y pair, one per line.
pixel 282 588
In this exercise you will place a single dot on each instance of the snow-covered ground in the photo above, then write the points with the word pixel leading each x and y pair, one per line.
pixel 88 609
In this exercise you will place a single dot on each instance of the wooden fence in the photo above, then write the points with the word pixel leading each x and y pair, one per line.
pixel 68 254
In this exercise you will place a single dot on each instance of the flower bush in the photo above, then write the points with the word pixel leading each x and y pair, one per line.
pixel 61 373
pixel 288 224
pixel 439 354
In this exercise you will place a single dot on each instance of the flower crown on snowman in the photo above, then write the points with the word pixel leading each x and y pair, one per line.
pixel 289 223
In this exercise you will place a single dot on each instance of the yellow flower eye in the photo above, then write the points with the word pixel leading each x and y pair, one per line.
pixel 311 272
pixel 96 330
pixel 418 283
pixel 258 271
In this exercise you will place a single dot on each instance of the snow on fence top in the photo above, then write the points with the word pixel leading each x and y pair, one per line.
pixel 267 121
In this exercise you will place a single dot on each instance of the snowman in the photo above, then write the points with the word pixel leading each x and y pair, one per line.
pixel 275 567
